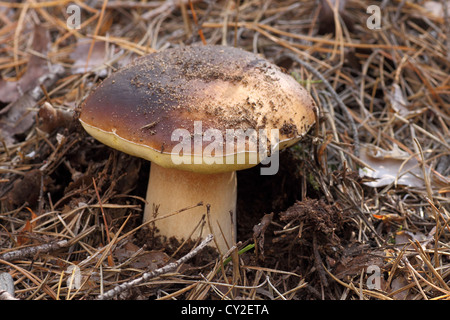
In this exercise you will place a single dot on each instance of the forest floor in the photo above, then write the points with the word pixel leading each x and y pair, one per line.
pixel 358 210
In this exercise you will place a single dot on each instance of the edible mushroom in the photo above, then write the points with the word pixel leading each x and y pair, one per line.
pixel 178 109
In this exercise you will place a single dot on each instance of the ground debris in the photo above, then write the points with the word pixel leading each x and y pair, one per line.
pixel 258 234
pixel 309 232
pixel 356 258
pixel 25 189
pixel 316 217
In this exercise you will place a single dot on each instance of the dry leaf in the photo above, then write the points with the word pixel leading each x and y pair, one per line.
pixel 398 101
pixel 405 237
pixel 23 236
pixel 146 260
pixel 18 119
pixel 398 283
pixel 389 218
pixel 96 60
pixel 400 105
pixel 19 116
pixel 357 258
pixel 25 190
pixel 33 216
pixel 74 277
pixel 150 260
pixel 394 166
pixel 36 67
pixel 436 8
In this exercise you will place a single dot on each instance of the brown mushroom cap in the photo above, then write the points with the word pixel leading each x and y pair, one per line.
pixel 137 108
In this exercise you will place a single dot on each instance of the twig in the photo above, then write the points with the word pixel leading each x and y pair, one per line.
pixel 155 273
pixel 318 262
pixel 194 17
pixel 97 28
pixel 110 258
pixel 30 251
pixel 166 6
pixel 445 8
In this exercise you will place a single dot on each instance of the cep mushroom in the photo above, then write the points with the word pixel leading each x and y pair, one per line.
pixel 178 108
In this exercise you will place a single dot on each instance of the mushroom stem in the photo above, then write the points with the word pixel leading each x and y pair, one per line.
pixel 173 189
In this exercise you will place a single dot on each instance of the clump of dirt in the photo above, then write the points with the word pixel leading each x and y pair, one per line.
pixel 317 220
pixel 310 236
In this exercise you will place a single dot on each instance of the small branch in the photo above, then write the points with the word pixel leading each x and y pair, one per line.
pixel 31 251
pixel 194 17
pixel 155 273
pixel 318 262
pixel 110 258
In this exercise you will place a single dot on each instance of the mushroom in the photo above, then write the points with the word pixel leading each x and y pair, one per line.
pixel 198 114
